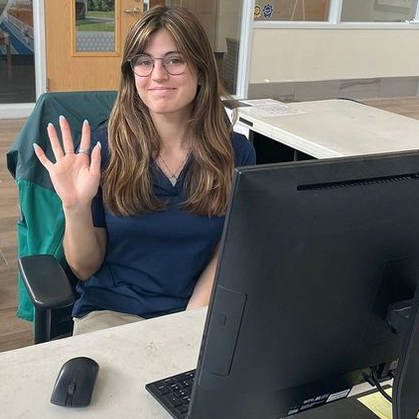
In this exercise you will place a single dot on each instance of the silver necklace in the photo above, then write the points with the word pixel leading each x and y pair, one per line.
pixel 173 176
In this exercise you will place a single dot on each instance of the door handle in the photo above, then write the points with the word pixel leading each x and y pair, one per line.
pixel 133 11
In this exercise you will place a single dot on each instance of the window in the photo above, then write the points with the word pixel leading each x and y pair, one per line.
pixel 95 25
pixel 17 60
pixel 378 10
pixel 292 10
pixel 336 11
pixel 222 22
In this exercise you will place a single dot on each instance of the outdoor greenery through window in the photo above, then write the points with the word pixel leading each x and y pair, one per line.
pixel 95 25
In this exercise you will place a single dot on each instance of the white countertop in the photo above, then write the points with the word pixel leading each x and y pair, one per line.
pixel 336 128
pixel 129 357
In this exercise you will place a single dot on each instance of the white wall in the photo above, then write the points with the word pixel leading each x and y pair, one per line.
pixel 280 55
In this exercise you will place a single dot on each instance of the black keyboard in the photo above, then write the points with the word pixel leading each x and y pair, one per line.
pixel 174 393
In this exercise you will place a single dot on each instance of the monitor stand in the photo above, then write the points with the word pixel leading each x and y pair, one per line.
pixel 405 394
pixel 406 382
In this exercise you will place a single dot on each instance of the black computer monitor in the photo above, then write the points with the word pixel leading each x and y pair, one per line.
pixel 313 255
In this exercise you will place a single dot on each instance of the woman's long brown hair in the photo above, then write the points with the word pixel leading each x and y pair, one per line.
pixel 134 143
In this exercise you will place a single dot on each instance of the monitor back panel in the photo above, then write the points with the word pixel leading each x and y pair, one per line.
pixel 312 255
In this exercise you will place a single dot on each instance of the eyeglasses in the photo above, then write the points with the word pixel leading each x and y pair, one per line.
pixel 143 64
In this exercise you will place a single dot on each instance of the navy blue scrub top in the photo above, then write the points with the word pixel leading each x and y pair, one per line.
pixel 153 260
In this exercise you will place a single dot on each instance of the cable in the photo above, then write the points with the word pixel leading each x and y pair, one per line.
pixel 378 385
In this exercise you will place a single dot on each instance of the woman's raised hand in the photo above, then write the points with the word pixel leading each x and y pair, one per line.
pixel 75 176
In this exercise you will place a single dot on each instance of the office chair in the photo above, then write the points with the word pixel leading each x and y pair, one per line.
pixel 45 284
pixel 229 66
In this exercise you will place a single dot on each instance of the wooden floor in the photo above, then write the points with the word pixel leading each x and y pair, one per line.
pixel 15 333
pixel 408 106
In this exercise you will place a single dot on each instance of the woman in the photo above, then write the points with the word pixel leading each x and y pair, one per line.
pixel 141 233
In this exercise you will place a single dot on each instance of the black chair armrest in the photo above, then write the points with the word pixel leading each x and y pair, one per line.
pixel 47 283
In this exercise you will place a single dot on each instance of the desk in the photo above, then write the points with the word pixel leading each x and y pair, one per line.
pixel 129 357
pixel 328 128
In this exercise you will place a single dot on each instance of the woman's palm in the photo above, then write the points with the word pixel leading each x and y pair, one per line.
pixel 75 176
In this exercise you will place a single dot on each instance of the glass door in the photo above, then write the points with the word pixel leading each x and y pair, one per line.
pixel 17 64
pixel 222 22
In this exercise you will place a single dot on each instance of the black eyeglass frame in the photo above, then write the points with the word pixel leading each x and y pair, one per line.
pixel 130 61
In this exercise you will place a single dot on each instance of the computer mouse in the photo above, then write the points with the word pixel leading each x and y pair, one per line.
pixel 75 382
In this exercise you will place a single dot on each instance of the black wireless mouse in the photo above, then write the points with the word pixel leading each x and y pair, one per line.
pixel 75 382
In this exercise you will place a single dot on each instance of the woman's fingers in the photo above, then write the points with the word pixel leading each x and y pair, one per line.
pixel 55 142
pixel 68 144
pixel 95 159
pixel 42 157
pixel 85 138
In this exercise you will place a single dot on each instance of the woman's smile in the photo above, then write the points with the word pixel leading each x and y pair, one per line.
pixel 161 89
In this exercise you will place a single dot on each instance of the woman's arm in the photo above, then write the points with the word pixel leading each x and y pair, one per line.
pixel 202 292
pixel 84 244
pixel 76 177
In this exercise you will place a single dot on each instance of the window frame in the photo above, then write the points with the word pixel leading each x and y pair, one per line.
pixel 334 21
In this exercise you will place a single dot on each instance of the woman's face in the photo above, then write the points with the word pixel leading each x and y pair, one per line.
pixel 163 93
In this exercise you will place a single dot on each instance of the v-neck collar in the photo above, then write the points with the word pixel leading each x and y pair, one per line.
pixel 166 180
